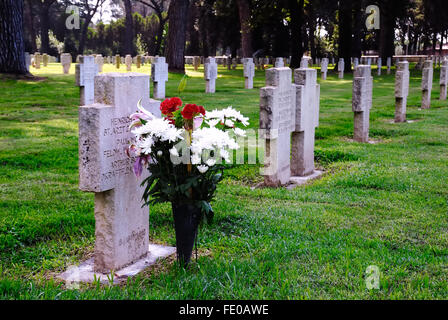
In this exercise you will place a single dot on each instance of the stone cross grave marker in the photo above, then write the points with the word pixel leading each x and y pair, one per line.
pixel 401 91
pixel 305 62
pixel 380 65
pixel 99 60
pixel 27 61
pixel 427 79
pixel 362 102
pixel 37 60
pixel 279 62
pixel 306 122
pixel 324 68
pixel 341 68
pixel 128 62
pixel 121 223
pixel 249 72
pixel 277 118
pixel 443 79
pixel 210 75
pixel 389 65
pixel 86 71
pixel 196 62
pixel 66 61
pixel 159 75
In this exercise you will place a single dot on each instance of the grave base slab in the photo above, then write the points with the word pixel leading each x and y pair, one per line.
pixel 84 272
pixel 298 181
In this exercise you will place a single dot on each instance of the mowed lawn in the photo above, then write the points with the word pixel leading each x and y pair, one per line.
pixel 382 204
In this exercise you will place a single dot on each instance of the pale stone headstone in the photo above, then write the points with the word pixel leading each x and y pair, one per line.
pixel 86 71
pixel 306 122
pixel 66 61
pixel 380 65
pixel 389 65
pixel 117 61
pixel 109 59
pixel 249 72
pixel 159 75
pixel 401 91
pixel 341 68
pixel 369 61
pixel 37 60
pixel 266 61
pixel 121 223
pixel 305 62
pixel 279 62
pixel 210 75
pixel 27 61
pixel 234 63
pixel 324 68
pixel 362 101
pixel 332 60
pixel 99 60
pixel 443 79
pixel 128 61
pixel 196 62
pixel 355 62
pixel 427 79
pixel 277 118
pixel 45 59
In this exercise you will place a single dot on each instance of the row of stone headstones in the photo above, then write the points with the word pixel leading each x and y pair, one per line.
pixel 38 59
pixel 88 69
pixel 293 108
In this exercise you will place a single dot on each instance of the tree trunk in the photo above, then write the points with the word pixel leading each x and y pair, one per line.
pixel 358 27
pixel 29 31
pixel 82 40
pixel 44 22
pixel 345 33
pixel 296 11
pixel 178 16
pixel 12 48
pixel 246 32
pixel 129 37
pixel 159 39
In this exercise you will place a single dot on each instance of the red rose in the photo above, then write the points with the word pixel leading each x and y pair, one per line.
pixel 189 111
pixel 202 110
pixel 170 105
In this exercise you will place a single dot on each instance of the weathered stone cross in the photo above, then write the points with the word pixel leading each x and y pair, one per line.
pixel 443 79
pixel 401 91
pixel 86 71
pixel 249 72
pixel 210 75
pixel 362 101
pixel 159 75
pixel 427 79
pixel 121 224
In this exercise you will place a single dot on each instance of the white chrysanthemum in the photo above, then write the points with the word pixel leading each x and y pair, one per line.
pixel 145 145
pixel 227 114
pixel 196 159
pixel 174 152
pixel 213 123
pixel 239 132
pixel 229 123
pixel 225 155
pixel 202 169
pixel 211 162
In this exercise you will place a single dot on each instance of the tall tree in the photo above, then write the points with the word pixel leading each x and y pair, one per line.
pixel 159 7
pixel 345 32
pixel 296 24
pixel 129 36
pixel 12 47
pixel 89 9
pixel 30 31
pixel 44 16
pixel 178 16
pixel 246 31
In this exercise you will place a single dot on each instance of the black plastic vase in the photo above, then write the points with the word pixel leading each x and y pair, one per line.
pixel 186 222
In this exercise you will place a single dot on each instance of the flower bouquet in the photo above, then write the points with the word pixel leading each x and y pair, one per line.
pixel 184 152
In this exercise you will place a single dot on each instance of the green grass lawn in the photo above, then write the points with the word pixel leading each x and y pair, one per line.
pixel 382 204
